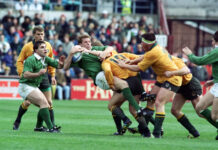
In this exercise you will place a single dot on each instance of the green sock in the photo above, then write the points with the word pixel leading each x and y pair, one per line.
pixel 20 114
pixel 44 113
pixel 207 114
pixel 159 119
pixel 51 112
pixel 128 95
pixel 39 121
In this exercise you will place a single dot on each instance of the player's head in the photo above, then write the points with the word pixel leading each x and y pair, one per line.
pixel 215 39
pixel 38 33
pixel 39 47
pixel 148 39
pixel 85 41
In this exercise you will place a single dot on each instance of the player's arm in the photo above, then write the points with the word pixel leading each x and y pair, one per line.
pixel 51 70
pixel 122 64
pixel 184 70
pixel 108 73
pixel 209 58
pixel 68 60
pixel 28 70
pixel 54 63
pixel 20 60
pixel 136 60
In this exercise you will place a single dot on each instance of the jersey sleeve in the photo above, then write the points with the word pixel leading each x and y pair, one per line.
pixel 20 60
pixel 209 58
pixel 51 70
pixel 108 72
pixel 51 62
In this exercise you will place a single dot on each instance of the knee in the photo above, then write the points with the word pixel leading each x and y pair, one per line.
pixel 26 103
pixel 214 117
pixel 199 108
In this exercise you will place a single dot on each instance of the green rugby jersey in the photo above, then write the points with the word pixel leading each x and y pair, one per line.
pixel 90 63
pixel 209 58
pixel 34 64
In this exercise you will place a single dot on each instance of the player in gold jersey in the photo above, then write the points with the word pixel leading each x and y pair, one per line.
pixel 27 50
pixel 160 61
pixel 190 90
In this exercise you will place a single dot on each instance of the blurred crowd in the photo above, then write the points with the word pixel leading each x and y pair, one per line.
pixel 62 33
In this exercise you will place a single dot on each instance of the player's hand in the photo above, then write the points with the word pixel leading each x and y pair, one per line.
pixel 42 71
pixel 61 60
pixel 186 51
pixel 76 48
pixel 103 55
pixel 53 81
pixel 121 63
pixel 168 73
pixel 208 83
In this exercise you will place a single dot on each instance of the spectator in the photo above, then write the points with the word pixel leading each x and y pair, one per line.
pixel 36 6
pixel 67 45
pixel 46 5
pixel 21 5
pixel 4 46
pixel 104 20
pixel 62 85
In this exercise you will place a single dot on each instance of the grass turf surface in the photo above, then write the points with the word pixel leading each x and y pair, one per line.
pixel 88 125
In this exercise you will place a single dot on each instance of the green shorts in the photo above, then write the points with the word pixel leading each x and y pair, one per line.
pixel 45 84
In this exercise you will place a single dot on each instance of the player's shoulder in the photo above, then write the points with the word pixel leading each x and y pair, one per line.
pixel 47 43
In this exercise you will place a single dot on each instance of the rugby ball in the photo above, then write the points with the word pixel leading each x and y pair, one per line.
pixel 77 57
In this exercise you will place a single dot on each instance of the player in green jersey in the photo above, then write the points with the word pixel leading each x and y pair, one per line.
pixel 35 67
pixel 211 97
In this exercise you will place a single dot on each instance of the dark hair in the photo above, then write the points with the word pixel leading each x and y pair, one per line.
pixel 83 37
pixel 37 44
pixel 149 36
pixel 215 36
pixel 38 28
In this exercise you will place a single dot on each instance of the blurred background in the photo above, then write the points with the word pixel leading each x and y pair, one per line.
pixel 119 23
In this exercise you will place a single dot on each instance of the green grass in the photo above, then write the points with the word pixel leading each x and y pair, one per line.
pixel 88 125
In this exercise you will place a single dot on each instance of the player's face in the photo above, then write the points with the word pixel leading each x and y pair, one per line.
pixel 39 36
pixel 42 51
pixel 144 46
pixel 86 42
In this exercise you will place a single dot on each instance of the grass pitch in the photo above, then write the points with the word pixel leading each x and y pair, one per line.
pixel 88 125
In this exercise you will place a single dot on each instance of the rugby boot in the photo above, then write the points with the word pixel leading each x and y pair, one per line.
pixel 16 125
pixel 126 124
pixel 41 129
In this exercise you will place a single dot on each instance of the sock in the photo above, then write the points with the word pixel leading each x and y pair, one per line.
pixel 207 114
pixel 159 118
pixel 44 114
pixel 22 110
pixel 187 124
pixel 117 111
pixel 51 112
pixel 149 115
pixel 143 128
pixel 118 123
pixel 39 122
pixel 128 95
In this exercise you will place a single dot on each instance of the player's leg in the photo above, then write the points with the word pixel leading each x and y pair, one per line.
pixel 22 110
pixel 45 87
pixel 164 95
pixel 123 86
pixel 114 106
pixel 37 97
pixel 202 108
pixel 177 104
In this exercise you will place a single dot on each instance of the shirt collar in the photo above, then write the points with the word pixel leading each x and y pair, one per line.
pixel 37 56
pixel 216 46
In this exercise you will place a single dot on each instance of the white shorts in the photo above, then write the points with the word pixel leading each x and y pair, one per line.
pixel 101 81
pixel 24 90
pixel 214 90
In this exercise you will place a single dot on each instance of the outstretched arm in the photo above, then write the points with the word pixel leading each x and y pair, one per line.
pixel 180 72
